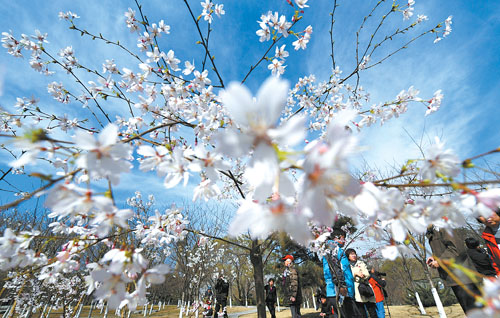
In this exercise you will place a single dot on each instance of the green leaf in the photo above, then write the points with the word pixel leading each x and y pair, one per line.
pixel 41 176
pixel 36 135
pixel 468 164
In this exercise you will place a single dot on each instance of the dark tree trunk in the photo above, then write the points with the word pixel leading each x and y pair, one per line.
pixel 258 276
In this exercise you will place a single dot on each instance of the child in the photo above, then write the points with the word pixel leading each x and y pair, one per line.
pixel 324 306
pixel 207 306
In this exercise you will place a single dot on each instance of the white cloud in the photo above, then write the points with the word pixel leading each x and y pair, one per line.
pixel 2 78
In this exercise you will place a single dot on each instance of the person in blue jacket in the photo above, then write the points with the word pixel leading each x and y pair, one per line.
pixel 335 285
pixel 342 281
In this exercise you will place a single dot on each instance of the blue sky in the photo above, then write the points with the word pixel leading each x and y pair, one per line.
pixel 465 65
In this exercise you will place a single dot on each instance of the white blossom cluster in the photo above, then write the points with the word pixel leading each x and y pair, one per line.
pixel 185 125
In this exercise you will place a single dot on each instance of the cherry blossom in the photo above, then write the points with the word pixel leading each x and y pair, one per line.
pixel 257 121
pixel 131 21
pixel 260 220
pixel 153 157
pixel 264 33
pixel 326 175
pixel 276 67
pixel 408 12
pixel 189 68
pixel 105 157
pixel 68 15
pixel 301 3
pixel 219 10
pixel 206 190
pixel 440 163
pixel 281 53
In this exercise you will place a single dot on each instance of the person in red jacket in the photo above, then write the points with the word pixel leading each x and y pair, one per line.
pixel 378 284
pixel 491 235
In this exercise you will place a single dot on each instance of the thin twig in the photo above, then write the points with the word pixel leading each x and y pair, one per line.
pixel 331 32
pixel 205 45
pixel 31 194
pixel 218 238
pixel 428 185
pixel 275 40
pixel 70 71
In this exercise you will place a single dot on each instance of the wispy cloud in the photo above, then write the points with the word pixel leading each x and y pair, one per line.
pixel 451 65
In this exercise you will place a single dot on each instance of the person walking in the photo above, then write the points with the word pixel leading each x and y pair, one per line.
pixel 291 287
pixel 271 297
pixel 207 303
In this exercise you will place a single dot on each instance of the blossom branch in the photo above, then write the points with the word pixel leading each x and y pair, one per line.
pixel 100 37
pixel 468 160
pixel 332 42
pixel 384 17
pixel 395 177
pixel 145 24
pixel 428 185
pixel 206 51
pixel 405 46
pixel 205 45
pixel 30 195
pixel 83 85
pixel 123 97
pixel 275 40
pixel 219 239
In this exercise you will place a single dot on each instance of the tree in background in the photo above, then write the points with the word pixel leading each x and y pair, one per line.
pixel 424 290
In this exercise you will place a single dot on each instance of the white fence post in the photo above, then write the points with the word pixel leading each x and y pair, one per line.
pixel 313 299
pixel 90 310
pixel 8 311
pixel 439 304
pixel 48 312
pixel 79 312
pixel 43 311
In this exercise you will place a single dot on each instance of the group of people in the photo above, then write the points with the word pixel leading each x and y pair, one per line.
pixel 291 289
pixel 352 289
pixel 355 290
pixel 221 294
pixel 448 251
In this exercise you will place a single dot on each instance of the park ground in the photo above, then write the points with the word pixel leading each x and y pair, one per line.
pixel 240 311
pixel 396 312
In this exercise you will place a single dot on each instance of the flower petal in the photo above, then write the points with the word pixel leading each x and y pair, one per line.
pixel 238 101
pixel 271 99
